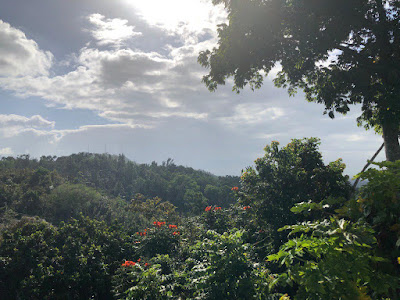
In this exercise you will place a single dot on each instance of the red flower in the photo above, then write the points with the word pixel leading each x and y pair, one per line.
pixel 139 260
pixel 235 188
pixel 146 264
pixel 173 226
pixel 158 224
pixel 246 207
pixel 128 263
pixel 176 233
pixel 208 208
pixel 217 208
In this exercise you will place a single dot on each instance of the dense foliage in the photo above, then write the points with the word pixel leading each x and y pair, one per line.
pixel 120 177
pixel 295 230
pixel 340 53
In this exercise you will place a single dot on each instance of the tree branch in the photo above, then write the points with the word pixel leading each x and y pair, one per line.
pixel 367 165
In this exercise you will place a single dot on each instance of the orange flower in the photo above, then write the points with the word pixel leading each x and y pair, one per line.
pixel 246 207
pixel 176 233
pixel 158 224
pixel 128 263
pixel 235 188
pixel 139 260
pixel 146 264
pixel 217 208
pixel 173 226
pixel 208 208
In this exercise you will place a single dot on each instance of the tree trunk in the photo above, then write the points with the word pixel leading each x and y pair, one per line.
pixel 391 140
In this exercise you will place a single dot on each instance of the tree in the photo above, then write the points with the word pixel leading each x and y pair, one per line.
pixel 285 176
pixel 339 53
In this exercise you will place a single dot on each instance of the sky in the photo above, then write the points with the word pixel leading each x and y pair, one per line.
pixel 122 76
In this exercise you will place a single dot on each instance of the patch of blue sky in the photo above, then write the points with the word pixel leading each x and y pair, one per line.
pixel 63 118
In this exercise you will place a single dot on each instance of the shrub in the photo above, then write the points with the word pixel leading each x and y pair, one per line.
pixel 75 261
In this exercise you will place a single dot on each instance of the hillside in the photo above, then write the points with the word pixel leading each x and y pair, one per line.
pixel 117 176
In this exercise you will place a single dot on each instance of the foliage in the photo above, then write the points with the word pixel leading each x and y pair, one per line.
pixel 379 202
pixel 23 189
pixel 285 176
pixel 161 239
pixel 339 246
pixel 353 254
pixel 217 267
pixel 154 209
pixel 119 177
pixel 217 219
pixel 223 269
pixel 339 53
pixel 69 200
pixel 75 261
pixel 154 280
pixel 332 259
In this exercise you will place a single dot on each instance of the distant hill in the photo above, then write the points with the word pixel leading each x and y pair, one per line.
pixel 120 177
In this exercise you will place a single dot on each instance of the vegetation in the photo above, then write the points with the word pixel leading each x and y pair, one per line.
pixel 117 177
pixel 91 226
pixel 339 53
pixel 66 240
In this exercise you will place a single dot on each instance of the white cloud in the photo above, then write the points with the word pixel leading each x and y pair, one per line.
pixel 20 56
pixel 35 121
pixel 156 94
pixel 138 86
pixel 352 137
pixel 6 151
pixel 11 125
pixel 111 31
pixel 253 113
pixel 183 15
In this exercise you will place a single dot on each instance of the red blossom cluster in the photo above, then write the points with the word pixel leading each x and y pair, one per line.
pixel 128 263
pixel 176 233
pixel 158 224
pixel 141 233
pixel 246 207
pixel 173 226
pixel 208 208
pixel 235 188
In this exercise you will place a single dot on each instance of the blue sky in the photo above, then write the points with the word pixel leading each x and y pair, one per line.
pixel 122 76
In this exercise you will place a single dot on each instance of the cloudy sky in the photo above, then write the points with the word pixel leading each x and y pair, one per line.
pixel 122 76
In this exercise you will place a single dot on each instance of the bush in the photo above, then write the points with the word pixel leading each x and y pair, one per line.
pixel 75 261
pixel 352 254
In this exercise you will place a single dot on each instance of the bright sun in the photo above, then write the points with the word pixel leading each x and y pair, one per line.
pixel 196 14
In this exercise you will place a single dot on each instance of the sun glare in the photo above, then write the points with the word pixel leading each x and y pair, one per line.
pixel 196 14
